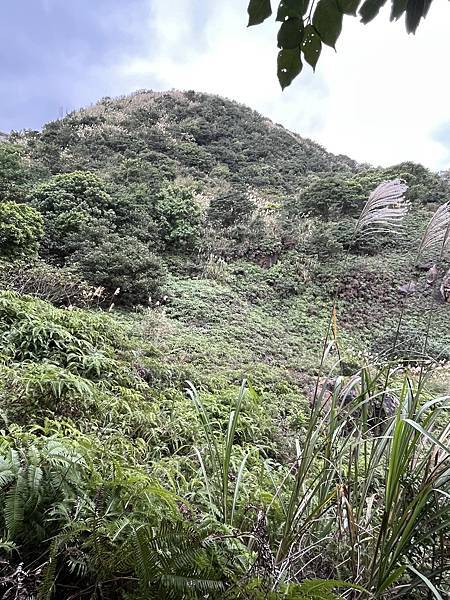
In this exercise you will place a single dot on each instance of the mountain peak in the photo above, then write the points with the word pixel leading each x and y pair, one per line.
pixel 188 134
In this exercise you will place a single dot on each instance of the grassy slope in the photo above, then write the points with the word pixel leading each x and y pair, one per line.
pixel 137 427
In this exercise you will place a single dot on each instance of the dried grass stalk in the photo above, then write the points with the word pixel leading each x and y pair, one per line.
pixel 437 233
pixel 385 209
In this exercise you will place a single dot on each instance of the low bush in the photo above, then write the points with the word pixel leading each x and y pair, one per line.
pixel 21 229
pixel 123 265
pixel 179 217
pixel 60 286
pixel 69 202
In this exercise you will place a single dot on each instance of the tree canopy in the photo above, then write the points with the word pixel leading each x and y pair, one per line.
pixel 308 24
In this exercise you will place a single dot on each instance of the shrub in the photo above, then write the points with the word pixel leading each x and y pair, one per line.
pixel 332 197
pixel 235 207
pixel 122 263
pixel 12 171
pixel 322 240
pixel 68 202
pixel 60 286
pixel 134 215
pixel 179 217
pixel 21 228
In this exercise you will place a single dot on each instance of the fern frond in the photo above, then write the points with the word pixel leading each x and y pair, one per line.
pixel 190 583
pixel 437 233
pixel 385 209
pixel 6 473
pixel 145 564
pixel 323 589
pixel 34 476
pixel 14 510
pixel 45 589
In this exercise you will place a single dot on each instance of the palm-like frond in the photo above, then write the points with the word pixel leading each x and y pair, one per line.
pixel 437 233
pixel 385 209
pixel 173 559
pixel 14 508
pixel 323 589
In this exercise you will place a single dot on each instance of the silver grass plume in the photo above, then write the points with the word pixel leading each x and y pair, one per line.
pixel 385 209
pixel 437 233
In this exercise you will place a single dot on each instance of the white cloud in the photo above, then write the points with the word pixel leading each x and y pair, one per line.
pixel 380 98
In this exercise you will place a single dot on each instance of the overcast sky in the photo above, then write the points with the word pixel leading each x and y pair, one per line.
pixel 384 97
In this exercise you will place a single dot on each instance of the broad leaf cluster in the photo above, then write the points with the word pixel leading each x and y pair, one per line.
pixel 308 24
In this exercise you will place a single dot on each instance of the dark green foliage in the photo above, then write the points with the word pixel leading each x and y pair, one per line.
pixel 233 208
pixel 289 65
pixel 311 46
pixel 333 197
pixel 258 11
pixel 299 21
pixel 327 21
pixel 424 185
pixel 179 218
pixel 21 229
pixel 122 264
pixel 135 214
pixel 61 287
pixel 67 203
pixel 414 11
pixel 12 171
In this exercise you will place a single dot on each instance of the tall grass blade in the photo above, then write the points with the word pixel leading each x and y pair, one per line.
pixel 237 487
pixel 427 582
pixel 428 435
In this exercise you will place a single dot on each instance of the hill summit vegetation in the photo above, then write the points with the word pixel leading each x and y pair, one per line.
pixel 224 361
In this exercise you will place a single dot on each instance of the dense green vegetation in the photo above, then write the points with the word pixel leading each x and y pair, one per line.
pixel 173 424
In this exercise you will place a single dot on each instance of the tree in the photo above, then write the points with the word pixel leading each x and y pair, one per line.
pixel 424 186
pixel 179 217
pixel 12 171
pixel 332 197
pixel 229 209
pixel 68 202
pixel 121 262
pixel 306 25
pixel 21 228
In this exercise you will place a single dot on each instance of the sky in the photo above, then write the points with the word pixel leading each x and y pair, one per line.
pixel 382 98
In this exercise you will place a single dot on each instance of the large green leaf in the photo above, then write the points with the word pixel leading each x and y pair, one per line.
pixel 289 66
pixel 290 35
pixel 348 7
pixel 398 8
pixel 327 20
pixel 290 8
pixel 258 11
pixel 311 46
pixel 370 9
pixel 415 10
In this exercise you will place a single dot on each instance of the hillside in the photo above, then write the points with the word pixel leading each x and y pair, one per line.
pixel 205 375
pixel 183 133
